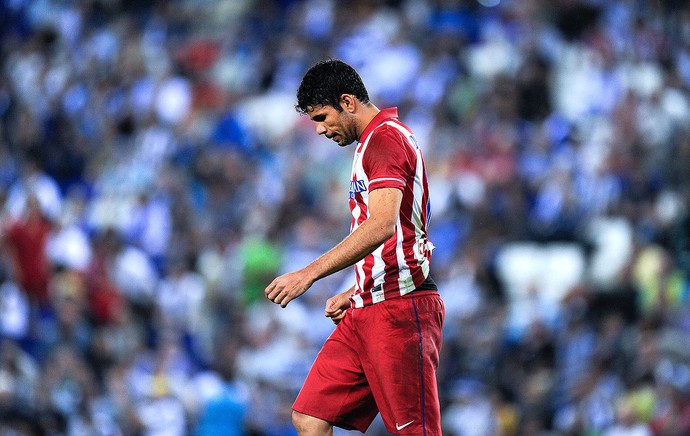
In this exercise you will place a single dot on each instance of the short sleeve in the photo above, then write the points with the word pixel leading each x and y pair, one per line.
pixel 387 161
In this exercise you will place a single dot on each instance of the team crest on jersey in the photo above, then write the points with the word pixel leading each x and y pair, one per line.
pixel 357 186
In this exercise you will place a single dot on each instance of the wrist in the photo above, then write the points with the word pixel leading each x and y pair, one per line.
pixel 310 273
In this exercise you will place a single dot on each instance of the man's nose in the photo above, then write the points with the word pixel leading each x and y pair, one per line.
pixel 320 129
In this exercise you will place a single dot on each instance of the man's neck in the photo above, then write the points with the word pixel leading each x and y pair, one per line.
pixel 367 113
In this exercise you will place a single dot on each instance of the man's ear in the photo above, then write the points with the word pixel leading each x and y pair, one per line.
pixel 348 102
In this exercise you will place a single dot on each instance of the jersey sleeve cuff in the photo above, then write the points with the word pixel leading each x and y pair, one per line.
pixel 386 182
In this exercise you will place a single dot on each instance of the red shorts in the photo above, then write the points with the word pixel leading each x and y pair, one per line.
pixel 380 358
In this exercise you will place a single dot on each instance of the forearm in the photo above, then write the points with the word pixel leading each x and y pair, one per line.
pixel 355 247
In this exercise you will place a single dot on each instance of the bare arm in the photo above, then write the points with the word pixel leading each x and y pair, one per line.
pixel 384 207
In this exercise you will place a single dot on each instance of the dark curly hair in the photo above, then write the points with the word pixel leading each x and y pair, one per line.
pixel 325 82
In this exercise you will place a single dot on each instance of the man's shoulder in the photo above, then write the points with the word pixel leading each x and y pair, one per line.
pixel 387 132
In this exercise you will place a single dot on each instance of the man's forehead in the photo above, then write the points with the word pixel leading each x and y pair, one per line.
pixel 320 109
pixel 316 109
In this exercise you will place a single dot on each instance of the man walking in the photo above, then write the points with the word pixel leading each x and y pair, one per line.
pixel 382 356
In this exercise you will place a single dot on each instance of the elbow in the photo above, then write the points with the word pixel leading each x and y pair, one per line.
pixel 385 231
pixel 378 230
pixel 389 231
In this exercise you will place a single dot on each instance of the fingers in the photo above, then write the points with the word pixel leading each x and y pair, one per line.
pixel 276 294
pixel 287 287
pixel 284 301
pixel 279 297
pixel 337 303
pixel 331 306
pixel 337 316
pixel 333 313
pixel 272 291
pixel 279 293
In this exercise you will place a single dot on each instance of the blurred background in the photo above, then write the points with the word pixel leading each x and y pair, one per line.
pixel 154 177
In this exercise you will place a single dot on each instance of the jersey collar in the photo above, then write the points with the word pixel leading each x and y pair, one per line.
pixel 383 115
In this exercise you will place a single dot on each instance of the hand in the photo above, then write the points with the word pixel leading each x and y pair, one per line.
pixel 287 287
pixel 336 306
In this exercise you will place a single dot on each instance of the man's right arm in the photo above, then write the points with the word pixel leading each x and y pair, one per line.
pixel 384 208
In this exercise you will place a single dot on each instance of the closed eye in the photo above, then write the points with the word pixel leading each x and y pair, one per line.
pixel 319 118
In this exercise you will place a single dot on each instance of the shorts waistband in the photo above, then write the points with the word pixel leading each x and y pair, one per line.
pixel 421 293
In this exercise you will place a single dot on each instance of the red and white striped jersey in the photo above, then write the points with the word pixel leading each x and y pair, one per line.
pixel 388 156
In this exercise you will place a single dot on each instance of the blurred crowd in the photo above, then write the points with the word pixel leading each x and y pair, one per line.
pixel 154 177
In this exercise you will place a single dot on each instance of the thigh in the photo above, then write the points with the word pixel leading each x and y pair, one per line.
pixel 336 389
pixel 403 344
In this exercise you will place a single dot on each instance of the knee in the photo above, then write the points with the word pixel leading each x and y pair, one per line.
pixel 300 421
pixel 309 425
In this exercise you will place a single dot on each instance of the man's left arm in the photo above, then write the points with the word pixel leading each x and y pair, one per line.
pixel 384 207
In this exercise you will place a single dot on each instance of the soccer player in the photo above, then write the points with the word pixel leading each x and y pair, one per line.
pixel 383 354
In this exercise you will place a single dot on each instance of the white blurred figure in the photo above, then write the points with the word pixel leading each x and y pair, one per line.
pixel 537 278
pixel 161 414
pixel 150 224
pixel 70 247
pixel 14 311
pixel 135 275
pixel 180 298
pixel 627 423
pixel 471 412
pixel 34 182
pixel 158 382
pixel 173 100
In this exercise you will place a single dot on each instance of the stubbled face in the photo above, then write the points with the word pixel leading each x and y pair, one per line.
pixel 338 126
